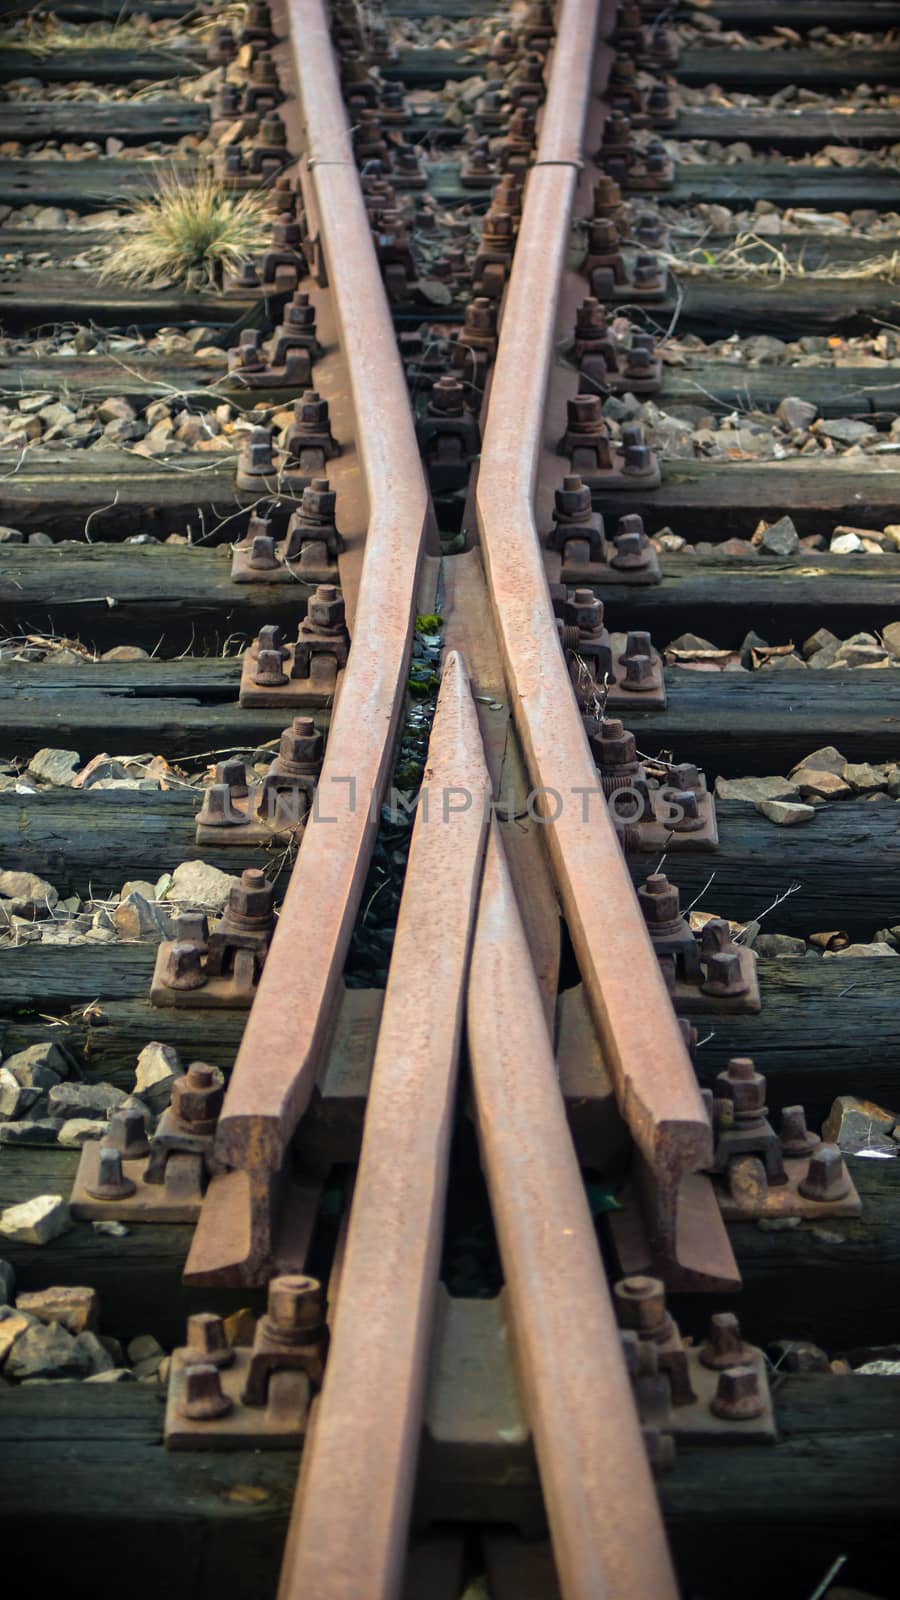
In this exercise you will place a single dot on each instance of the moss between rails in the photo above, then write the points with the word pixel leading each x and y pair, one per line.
pixel 373 936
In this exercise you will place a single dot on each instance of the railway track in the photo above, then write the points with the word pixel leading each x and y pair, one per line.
pixel 473 1169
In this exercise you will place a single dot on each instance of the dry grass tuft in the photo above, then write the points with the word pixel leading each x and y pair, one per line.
pixel 188 234
pixel 742 260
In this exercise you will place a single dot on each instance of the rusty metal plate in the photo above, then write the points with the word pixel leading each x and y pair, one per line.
pixel 296 694
pixel 658 836
pixel 252 829
pixel 562 569
pixel 298 572
pixel 215 994
pixel 279 1425
pixel 689 999
pixel 697 1424
pixel 784 1199
pixel 177 1200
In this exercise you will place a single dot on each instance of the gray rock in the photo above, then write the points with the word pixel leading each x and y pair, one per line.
pixel 113 1375
pixel 39 1134
pixel 40 1066
pixel 76 1131
pixel 126 652
pixel 787 813
pixel 779 945
pixel 92 1349
pixel 55 766
pixel 48 1352
pixel 795 413
pixel 74 1305
pixel 859 1125
pixel 137 918
pixel 36 1221
pixel 84 1099
pixel 863 950
pixel 14 1100
pixel 781 539
pixel 116 409
pixel 756 789
pixel 194 883
pixel 821 640
pixel 111 1229
pixel 847 430
pixel 12 1325
pixel 798 1355
pixel 158 1066
pixel 25 894
pixel 827 759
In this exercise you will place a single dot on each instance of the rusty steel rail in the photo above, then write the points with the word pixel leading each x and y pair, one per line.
pixel 655 1082
pixel 605 1521
pixel 293 1012
pixel 348 1531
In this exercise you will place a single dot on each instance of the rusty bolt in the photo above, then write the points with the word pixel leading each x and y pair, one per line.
pixel 447 397
pixel 269 672
pixel 197 1097
pixel 191 927
pixel 724 976
pixel 249 351
pixel 604 236
pixel 300 314
pixel 686 776
pixel 217 810
pixel 256 456
pixel 234 775
pixel 269 638
pixel 262 557
pixel 573 500
pixel 311 413
pixel 827 1177
pixel 638 459
pixel 584 415
pixel 639 361
pixel 110 1182
pixel 203 1400
pixel 294 1308
pixel 743 1085
pixel 301 743
pixel 646 271
pixel 272 130
pixel 738 1396
pixel 689 820
pixel 206 1341
pixel 585 611
pixel 632 552
pixel 639 674
pixel 641 1304
pixel 127 1133
pixel 590 319
pixel 183 967
pixel 716 934
pixel 724 1346
pixel 480 316
pixel 616 745
pixel 796 1138
pixel 659 900
pixel 286 233
pixel 326 607
pixel 319 501
pixel 252 897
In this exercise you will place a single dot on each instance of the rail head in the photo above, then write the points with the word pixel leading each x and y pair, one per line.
pixel 292 1014
pixel 654 1079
